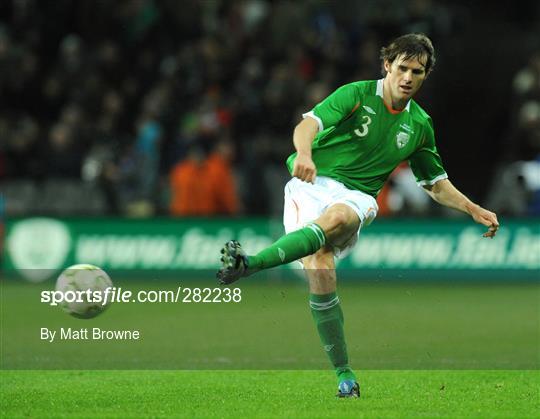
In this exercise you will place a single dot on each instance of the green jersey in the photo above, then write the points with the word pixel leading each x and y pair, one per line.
pixel 360 141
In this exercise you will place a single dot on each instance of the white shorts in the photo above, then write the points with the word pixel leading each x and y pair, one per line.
pixel 305 202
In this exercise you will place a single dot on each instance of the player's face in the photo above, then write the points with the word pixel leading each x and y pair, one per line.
pixel 404 78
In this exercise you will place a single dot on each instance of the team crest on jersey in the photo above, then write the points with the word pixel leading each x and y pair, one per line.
pixel 402 138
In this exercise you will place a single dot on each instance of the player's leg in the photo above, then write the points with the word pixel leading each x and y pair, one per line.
pixel 328 317
pixel 335 227
pixel 339 223
pixel 290 247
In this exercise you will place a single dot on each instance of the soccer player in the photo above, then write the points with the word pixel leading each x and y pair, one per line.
pixel 346 147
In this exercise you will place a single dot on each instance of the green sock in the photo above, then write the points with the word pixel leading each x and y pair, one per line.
pixel 291 247
pixel 328 316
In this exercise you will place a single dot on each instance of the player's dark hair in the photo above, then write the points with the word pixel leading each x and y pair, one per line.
pixel 412 45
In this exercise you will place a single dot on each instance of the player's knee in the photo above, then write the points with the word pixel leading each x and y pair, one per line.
pixel 337 219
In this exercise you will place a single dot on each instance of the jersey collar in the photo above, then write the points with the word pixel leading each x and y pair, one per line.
pixel 379 92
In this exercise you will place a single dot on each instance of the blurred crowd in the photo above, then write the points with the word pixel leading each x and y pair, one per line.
pixel 516 189
pixel 187 108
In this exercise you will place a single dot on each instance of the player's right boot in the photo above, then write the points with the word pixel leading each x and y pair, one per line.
pixel 348 388
pixel 234 263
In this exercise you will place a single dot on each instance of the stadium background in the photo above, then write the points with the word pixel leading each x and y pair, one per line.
pixel 139 135
pixel 103 100
pixel 145 109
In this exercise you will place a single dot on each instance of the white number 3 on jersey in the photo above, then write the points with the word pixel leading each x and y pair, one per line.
pixel 365 127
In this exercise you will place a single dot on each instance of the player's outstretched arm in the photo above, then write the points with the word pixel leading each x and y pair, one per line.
pixel 304 134
pixel 447 194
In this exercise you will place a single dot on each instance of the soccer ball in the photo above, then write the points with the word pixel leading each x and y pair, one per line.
pixel 82 290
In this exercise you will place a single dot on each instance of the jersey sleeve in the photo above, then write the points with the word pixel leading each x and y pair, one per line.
pixel 426 162
pixel 335 107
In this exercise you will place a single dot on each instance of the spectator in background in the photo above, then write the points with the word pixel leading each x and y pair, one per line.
pixel 401 194
pixel 64 154
pixel 109 122
pixel 204 185
pixel 187 184
pixel 223 190
pixel 64 81
pixel 4 132
pixel 8 60
pixel 527 81
pixel 21 148
pixel 516 187
pixel 145 174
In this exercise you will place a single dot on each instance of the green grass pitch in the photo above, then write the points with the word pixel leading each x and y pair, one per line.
pixel 268 394
pixel 421 350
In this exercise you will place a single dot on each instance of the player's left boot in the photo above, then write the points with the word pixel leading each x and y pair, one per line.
pixel 234 263
pixel 348 388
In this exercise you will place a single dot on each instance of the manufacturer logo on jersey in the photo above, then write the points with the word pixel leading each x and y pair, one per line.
pixel 281 254
pixel 402 138
pixel 369 110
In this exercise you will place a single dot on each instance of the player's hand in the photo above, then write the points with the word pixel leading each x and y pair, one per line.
pixel 304 168
pixel 487 218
